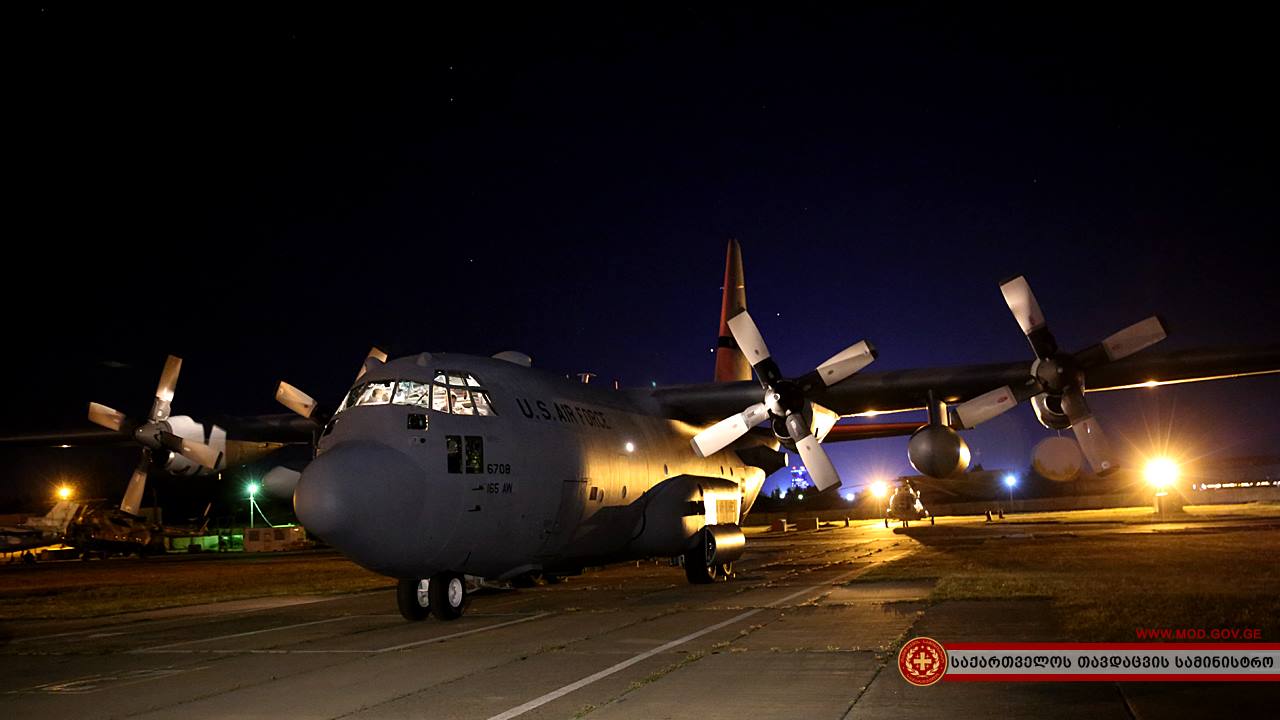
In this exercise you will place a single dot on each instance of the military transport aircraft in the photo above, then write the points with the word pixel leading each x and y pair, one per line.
pixel 440 466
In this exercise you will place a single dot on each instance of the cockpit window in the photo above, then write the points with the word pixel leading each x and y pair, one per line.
pixel 453 391
pixel 460 402
pixel 439 399
pixel 413 393
pixel 481 400
pixel 377 393
pixel 466 393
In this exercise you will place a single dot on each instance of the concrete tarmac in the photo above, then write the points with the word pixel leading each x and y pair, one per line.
pixel 786 638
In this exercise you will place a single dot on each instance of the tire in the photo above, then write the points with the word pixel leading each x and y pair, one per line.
pixel 697 570
pixel 412 597
pixel 448 594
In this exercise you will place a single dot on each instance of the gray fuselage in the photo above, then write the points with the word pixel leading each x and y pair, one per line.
pixel 558 475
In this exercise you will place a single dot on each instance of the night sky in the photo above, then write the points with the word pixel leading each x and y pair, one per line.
pixel 268 193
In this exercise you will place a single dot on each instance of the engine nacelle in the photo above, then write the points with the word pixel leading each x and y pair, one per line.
pixel 1049 411
pixel 938 451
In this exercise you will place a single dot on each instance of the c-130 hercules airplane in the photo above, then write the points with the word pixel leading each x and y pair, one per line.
pixel 439 466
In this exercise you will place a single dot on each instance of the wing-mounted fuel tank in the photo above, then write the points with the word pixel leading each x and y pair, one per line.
pixel 938 451
pixel 677 509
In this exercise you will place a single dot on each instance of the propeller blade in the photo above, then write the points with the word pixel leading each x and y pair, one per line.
pixel 133 494
pixel 751 343
pixel 294 399
pixel 719 436
pixel 106 417
pixel 818 463
pixel 1088 432
pixel 815 458
pixel 191 449
pixel 846 362
pixel 1138 336
pixel 1022 303
pixel 164 391
pixel 201 453
pixel 375 353
pixel 1094 444
pixel 973 413
pixel 823 420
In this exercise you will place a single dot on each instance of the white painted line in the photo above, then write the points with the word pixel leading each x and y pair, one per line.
pixel 94 683
pixel 186 620
pixel 442 638
pixel 169 649
pixel 242 634
pixel 578 685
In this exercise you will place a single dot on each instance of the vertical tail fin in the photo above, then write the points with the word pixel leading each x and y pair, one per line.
pixel 731 365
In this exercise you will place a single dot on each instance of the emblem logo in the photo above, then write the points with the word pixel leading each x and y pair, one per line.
pixel 922 661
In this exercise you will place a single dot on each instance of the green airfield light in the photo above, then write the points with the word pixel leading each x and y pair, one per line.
pixel 252 488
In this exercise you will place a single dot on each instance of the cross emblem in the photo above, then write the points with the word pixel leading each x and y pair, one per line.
pixel 922 661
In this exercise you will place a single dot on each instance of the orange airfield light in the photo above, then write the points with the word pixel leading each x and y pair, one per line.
pixel 1161 472
pixel 65 492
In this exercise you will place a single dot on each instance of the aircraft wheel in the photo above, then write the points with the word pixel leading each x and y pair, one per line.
pixel 698 570
pixel 448 595
pixel 413 599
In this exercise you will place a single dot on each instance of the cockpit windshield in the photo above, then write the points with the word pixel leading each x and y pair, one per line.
pixel 453 392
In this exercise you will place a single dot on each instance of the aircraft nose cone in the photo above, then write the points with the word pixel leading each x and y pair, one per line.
pixel 369 501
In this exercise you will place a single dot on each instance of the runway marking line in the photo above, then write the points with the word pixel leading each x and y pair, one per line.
pixel 186 619
pixel 247 633
pixel 171 649
pixel 95 683
pixel 588 680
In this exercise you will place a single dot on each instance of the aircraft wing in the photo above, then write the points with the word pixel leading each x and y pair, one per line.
pixel 285 428
pixel 870 392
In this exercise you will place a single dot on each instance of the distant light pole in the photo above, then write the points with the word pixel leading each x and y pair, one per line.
pixel 1009 481
pixel 253 490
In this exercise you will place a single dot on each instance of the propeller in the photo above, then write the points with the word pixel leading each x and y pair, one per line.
pixel 306 406
pixel 1055 384
pixel 786 401
pixel 179 435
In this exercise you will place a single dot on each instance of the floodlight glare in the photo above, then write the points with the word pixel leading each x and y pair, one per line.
pixel 64 492
pixel 1161 472
pixel 1010 480
pixel 879 488
pixel 252 488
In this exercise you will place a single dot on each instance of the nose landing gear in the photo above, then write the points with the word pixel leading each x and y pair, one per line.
pixel 443 595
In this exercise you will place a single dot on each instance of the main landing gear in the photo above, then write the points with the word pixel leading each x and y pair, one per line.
pixel 701 569
pixel 443 595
